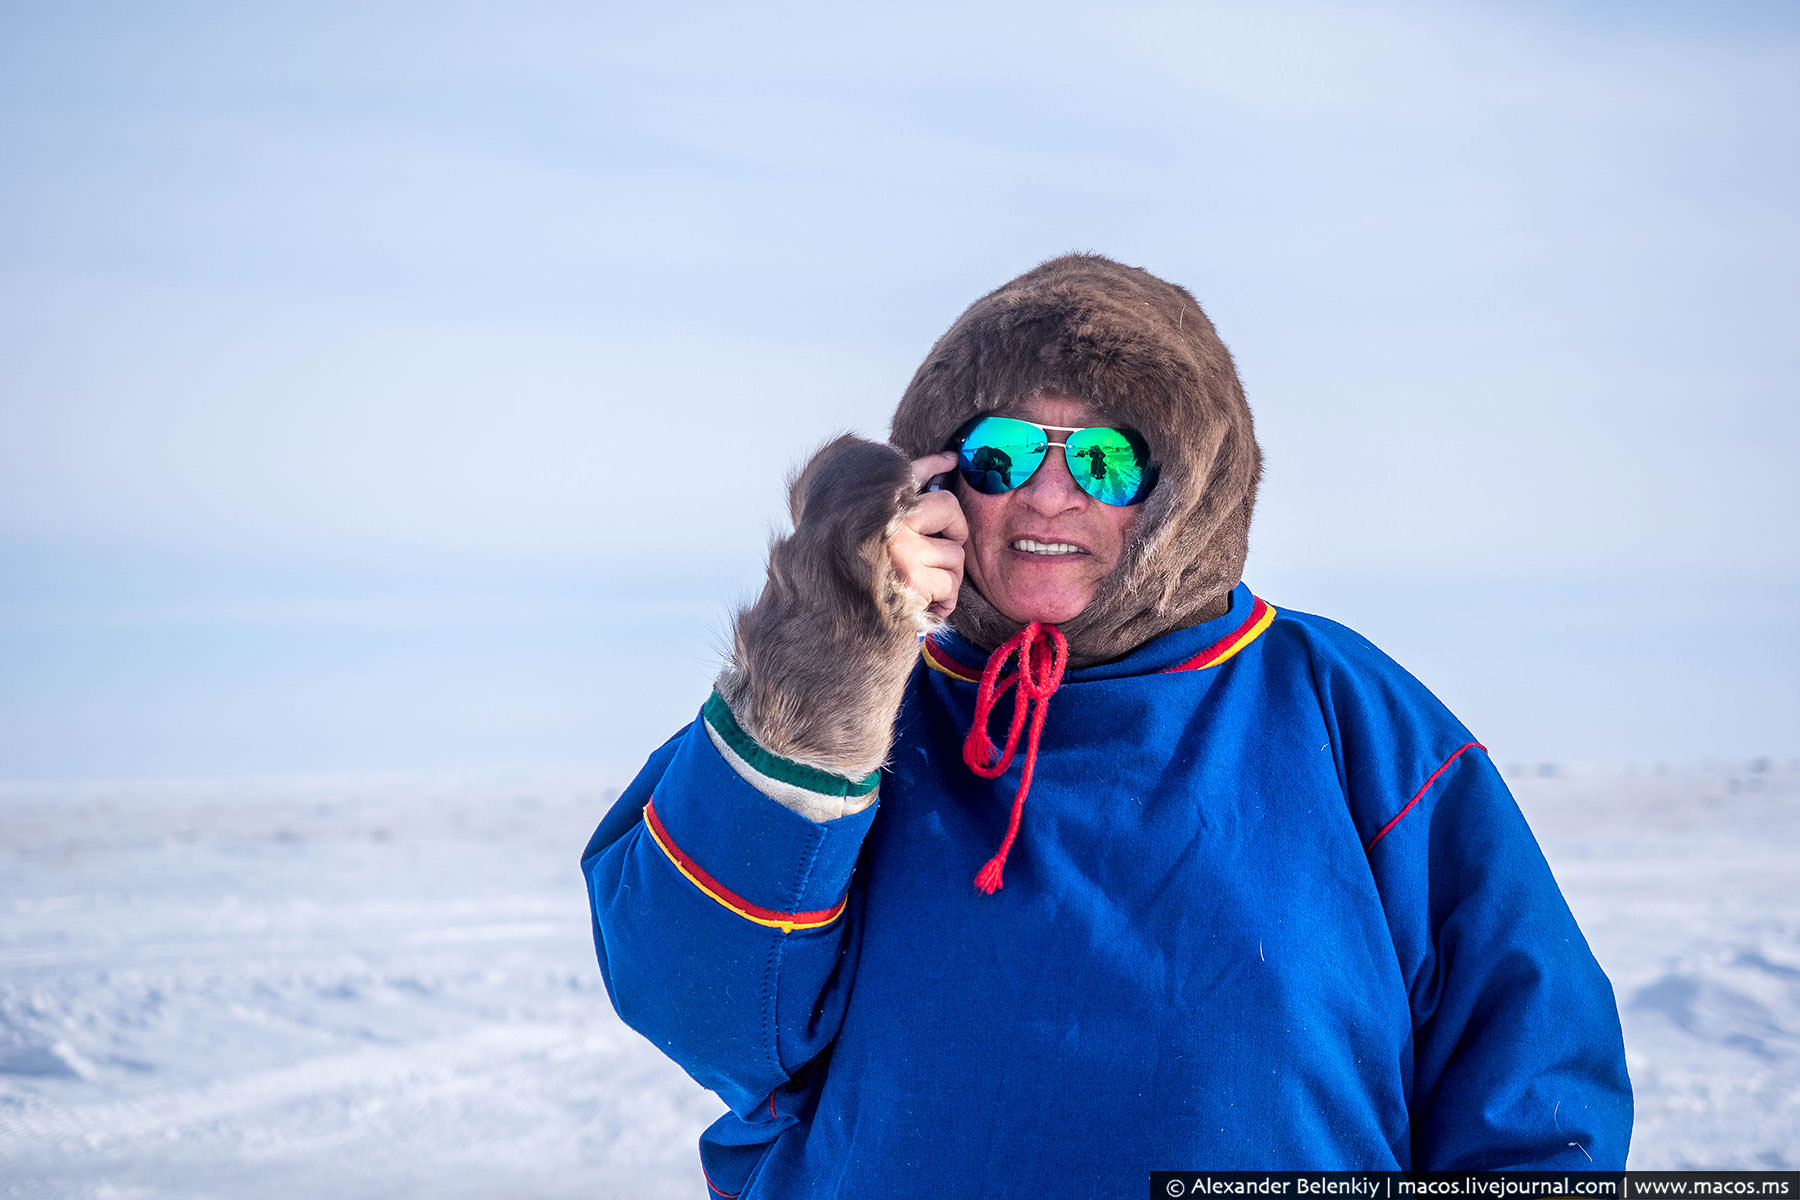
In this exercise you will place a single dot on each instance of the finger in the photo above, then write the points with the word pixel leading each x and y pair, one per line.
pixel 938 514
pixel 928 553
pixel 932 567
pixel 932 464
pixel 939 590
pixel 911 552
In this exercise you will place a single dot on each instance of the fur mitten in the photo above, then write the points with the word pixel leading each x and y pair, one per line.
pixel 820 661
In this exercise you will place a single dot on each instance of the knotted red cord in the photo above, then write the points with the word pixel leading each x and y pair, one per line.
pixel 1036 683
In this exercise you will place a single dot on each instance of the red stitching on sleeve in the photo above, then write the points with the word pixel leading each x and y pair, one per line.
pixel 714 1188
pixel 1423 788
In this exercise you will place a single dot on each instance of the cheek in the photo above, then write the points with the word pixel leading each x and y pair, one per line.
pixel 983 514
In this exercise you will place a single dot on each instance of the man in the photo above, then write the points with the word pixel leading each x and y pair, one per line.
pixel 1122 868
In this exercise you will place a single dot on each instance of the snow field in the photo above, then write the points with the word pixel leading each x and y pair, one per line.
pixel 356 989
pixel 384 986
pixel 1687 884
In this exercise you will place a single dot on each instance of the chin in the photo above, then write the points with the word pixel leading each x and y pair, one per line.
pixel 1046 611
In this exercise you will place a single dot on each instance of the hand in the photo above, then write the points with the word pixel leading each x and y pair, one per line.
pixel 819 663
pixel 926 548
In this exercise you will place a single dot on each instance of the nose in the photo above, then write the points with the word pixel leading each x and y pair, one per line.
pixel 1051 489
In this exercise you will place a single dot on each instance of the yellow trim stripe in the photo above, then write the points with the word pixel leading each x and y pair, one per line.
pixel 725 897
pixel 934 659
pixel 1255 631
pixel 1262 615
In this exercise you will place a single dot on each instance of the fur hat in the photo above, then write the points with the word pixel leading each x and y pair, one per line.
pixel 1140 351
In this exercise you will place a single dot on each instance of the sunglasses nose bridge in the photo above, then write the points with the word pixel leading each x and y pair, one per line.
pixel 1054 486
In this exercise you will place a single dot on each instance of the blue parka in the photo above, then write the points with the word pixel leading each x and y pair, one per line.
pixel 1270 906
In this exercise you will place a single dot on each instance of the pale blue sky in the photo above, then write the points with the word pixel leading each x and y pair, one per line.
pixel 346 346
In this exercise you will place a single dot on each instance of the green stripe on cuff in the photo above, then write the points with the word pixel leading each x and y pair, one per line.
pixel 718 714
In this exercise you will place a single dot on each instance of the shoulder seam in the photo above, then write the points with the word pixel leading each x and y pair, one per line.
pixel 1420 794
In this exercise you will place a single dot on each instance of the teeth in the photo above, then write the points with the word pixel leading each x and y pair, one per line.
pixel 1033 546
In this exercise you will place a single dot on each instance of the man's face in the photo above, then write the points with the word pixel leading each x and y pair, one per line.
pixel 1040 552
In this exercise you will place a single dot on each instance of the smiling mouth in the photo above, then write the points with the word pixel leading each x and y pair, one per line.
pixel 1033 546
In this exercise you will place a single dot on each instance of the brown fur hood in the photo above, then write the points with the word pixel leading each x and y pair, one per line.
pixel 1140 351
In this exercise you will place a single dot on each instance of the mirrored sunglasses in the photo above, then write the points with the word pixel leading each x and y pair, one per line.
pixel 998 454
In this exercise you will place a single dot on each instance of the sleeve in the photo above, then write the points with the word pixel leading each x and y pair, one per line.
pixel 1518 1058
pixel 720 913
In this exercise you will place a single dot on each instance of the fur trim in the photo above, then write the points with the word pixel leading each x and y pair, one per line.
pixel 1140 351
pixel 820 660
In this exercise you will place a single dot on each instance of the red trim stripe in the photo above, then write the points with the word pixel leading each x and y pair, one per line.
pixel 935 656
pixel 715 1187
pixel 787 922
pixel 1261 614
pixel 1258 620
pixel 1425 787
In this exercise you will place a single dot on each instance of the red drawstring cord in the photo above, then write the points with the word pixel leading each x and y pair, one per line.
pixel 1036 683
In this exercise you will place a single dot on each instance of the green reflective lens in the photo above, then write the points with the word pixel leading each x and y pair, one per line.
pixel 1108 464
pixel 999 454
